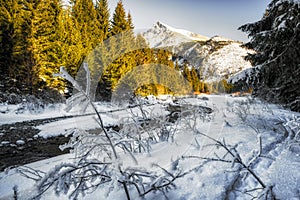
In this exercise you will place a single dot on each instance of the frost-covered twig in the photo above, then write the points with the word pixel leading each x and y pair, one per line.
pixel 207 158
pixel 235 156
pixel 154 183
pixel 65 74
pixel 81 176
pixel 30 173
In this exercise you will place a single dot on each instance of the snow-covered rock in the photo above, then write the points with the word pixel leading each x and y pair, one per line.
pixel 5 143
pixel 20 142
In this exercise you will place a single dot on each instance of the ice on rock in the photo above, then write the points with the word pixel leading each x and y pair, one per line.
pixel 5 142
pixel 20 142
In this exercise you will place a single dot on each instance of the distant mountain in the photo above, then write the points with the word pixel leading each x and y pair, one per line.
pixel 162 35
pixel 216 58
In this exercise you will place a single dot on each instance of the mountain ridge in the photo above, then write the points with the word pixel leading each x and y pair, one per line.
pixel 160 35
pixel 215 58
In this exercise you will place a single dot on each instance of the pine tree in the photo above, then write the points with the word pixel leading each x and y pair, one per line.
pixel 46 42
pixel 71 44
pixel 17 39
pixel 85 20
pixel 102 13
pixel 122 40
pixel 23 48
pixel 187 73
pixel 177 66
pixel 195 80
pixel 129 29
pixel 130 25
pixel 119 21
pixel 275 38
pixel 9 18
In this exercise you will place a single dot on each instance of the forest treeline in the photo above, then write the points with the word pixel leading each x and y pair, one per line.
pixel 39 36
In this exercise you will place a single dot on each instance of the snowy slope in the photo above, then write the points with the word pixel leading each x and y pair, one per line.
pixel 227 61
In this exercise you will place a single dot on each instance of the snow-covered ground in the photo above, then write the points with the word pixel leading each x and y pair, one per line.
pixel 14 113
pixel 210 172
pixel 21 112
pixel 88 122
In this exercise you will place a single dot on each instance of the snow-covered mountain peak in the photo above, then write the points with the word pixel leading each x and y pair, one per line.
pixel 160 25
pixel 189 34
pixel 163 35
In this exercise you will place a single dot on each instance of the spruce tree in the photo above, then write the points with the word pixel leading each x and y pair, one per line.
pixel 130 28
pixel 195 80
pixel 275 39
pixel 46 42
pixel 24 62
pixel 119 21
pixel 102 14
pixel 177 66
pixel 122 39
pixel 9 18
pixel 130 25
pixel 19 56
pixel 85 19
pixel 187 73
pixel 71 45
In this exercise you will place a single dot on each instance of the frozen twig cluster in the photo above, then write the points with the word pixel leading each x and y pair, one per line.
pixel 291 127
pixel 243 167
pixel 99 156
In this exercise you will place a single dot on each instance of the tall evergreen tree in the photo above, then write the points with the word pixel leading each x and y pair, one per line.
pixel 195 80
pixel 102 13
pixel 9 20
pixel 130 28
pixel 46 41
pixel 122 39
pixel 71 44
pixel 187 73
pixel 119 21
pixel 177 66
pixel 275 39
pixel 85 20
pixel 130 25
pixel 23 48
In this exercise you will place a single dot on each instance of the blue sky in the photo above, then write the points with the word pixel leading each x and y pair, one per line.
pixel 206 17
